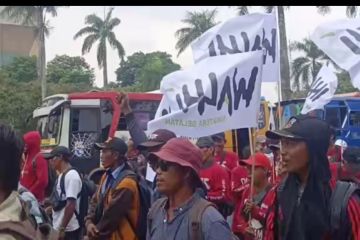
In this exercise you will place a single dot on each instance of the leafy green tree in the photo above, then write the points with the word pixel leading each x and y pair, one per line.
pixel 21 69
pixel 145 71
pixel 101 31
pixel 305 67
pixel 34 16
pixel 197 24
pixel 66 69
pixel 344 83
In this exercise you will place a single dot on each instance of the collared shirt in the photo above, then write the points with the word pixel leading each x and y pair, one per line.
pixel 213 225
pixel 113 174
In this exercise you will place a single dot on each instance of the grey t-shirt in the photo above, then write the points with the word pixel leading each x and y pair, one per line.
pixel 213 225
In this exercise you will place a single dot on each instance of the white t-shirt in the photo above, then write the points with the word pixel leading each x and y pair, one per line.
pixel 72 184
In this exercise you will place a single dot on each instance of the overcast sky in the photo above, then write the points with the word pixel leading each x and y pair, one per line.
pixel 150 29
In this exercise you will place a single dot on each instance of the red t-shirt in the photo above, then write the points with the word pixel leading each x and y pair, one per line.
pixel 240 223
pixel 216 180
pixel 230 160
pixel 239 179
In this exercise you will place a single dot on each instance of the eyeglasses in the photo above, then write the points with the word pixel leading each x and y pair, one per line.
pixel 164 166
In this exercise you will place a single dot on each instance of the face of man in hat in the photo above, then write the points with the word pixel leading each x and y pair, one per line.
pixel 294 153
pixel 170 177
pixel 109 157
pixel 55 162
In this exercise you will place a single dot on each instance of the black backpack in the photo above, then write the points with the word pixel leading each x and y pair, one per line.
pixel 84 195
pixel 339 220
pixel 145 193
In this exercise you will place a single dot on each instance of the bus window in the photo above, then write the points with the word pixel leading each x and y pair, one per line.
pixel 354 119
pixel 106 116
pixel 332 117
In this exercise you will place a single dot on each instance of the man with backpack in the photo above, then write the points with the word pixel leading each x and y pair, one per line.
pixel 306 204
pixel 34 174
pixel 183 214
pixel 119 207
pixel 65 199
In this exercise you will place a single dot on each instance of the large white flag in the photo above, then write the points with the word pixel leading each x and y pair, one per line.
pixel 215 95
pixel 243 34
pixel 322 90
pixel 340 40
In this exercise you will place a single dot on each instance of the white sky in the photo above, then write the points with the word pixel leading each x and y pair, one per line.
pixel 152 28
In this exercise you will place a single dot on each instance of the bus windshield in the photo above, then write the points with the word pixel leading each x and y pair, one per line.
pixel 49 128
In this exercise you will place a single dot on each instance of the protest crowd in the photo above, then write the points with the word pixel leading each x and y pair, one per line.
pixel 200 190
pixel 298 182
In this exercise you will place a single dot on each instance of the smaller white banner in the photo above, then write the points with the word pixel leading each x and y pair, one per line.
pixel 322 90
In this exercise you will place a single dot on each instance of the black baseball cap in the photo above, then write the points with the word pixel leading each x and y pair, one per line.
pixel 58 151
pixel 205 142
pixel 218 137
pixel 115 144
pixel 303 127
pixel 352 155
pixel 157 138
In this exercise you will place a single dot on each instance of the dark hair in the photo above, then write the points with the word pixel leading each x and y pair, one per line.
pixel 11 149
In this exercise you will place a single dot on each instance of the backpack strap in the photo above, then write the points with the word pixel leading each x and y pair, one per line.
pixel 62 181
pixel 196 213
pixel 154 209
pixel 338 208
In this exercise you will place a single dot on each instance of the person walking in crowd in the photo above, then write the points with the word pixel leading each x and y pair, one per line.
pixel 224 158
pixel 34 174
pixel 183 214
pixel 351 169
pixel 239 175
pixel 248 205
pixel 214 177
pixel 306 204
pixel 115 207
pixel 65 200
pixel 145 144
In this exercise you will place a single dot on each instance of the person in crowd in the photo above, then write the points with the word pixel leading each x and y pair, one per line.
pixel 11 149
pixel 301 203
pixel 239 175
pixel 145 144
pixel 177 178
pixel 214 177
pixel 277 169
pixel 245 206
pixel 65 201
pixel 337 163
pixel 333 153
pixel 351 169
pixel 224 158
pixel 134 159
pixel 34 174
pixel 115 207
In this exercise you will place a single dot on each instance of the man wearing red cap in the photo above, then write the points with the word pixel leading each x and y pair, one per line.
pixel 214 177
pixel 246 204
pixel 183 214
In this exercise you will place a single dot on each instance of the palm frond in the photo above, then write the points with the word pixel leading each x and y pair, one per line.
pixel 268 9
pixel 108 15
pixel 88 43
pixel 51 9
pixel 113 23
pixel 243 10
pixel 114 43
pixel 351 11
pixel 25 15
pixel 86 30
pixel 94 20
pixel 323 9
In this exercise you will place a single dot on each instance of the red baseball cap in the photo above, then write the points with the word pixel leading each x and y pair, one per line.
pixel 260 160
pixel 182 152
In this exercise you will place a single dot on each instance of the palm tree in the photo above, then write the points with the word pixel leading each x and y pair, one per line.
pixel 34 16
pixel 198 23
pixel 351 11
pixel 101 31
pixel 305 68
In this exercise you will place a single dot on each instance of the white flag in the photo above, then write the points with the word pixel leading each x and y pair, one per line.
pixel 243 34
pixel 215 95
pixel 322 90
pixel 340 40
